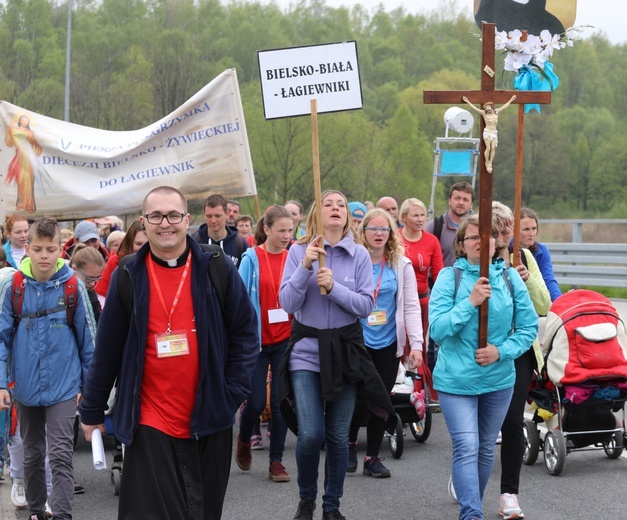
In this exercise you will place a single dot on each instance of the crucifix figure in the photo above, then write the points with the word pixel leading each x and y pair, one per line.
pixel 490 133
pixel 488 94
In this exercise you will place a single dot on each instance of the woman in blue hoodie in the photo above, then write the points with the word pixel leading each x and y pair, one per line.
pixel 475 384
pixel 261 269
pixel 326 364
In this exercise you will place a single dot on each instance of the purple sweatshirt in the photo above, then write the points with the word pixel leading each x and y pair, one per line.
pixel 351 297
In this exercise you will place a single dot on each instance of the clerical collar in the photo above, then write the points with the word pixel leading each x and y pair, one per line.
pixel 176 262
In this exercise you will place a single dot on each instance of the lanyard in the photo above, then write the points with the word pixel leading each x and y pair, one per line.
pixel 376 290
pixel 178 291
pixel 275 290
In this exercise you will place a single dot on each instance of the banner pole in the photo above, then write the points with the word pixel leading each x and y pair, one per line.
pixel 257 207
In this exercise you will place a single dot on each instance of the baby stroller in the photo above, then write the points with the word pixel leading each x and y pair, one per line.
pixel 411 399
pixel 583 386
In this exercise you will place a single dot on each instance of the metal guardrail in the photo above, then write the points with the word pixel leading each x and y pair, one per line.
pixel 603 265
pixel 577 224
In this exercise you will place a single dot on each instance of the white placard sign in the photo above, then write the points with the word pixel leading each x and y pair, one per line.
pixel 292 77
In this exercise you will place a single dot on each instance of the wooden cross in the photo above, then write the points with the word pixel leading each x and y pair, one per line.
pixel 498 97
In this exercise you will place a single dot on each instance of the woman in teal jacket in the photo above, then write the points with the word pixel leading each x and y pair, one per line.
pixel 475 384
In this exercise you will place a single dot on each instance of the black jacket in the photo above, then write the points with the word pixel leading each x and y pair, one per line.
pixel 227 351
pixel 343 359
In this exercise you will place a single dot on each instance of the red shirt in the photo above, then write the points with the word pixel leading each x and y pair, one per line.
pixel 270 274
pixel 169 384
pixel 424 254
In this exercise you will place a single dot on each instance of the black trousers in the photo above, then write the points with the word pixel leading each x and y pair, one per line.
pixel 513 443
pixel 175 479
pixel 386 362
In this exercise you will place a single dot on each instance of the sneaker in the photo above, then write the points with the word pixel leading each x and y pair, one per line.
pixel 333 515
pixel 375 467
pixel 256 442
pixel 451 490
pixel 18 494
pixel 48 510
pixel 277 472
pixel 243 456
pixel 352 457
pixel 509 508
pixel 305 510
pixel 78 489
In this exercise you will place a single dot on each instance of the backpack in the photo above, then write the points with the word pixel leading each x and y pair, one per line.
pixel 438 224
pixel 585 338
pixel 217 273
pixel 18 286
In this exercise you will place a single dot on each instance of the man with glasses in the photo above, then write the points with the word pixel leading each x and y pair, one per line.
pixel 183 366
pixel 216 231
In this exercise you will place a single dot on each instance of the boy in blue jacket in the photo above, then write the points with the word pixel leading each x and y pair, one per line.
pixel 49 357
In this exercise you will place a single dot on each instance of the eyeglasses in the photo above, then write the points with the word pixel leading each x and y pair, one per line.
pixel 375 229
pixel 476 238
pixel 157 218
pixel 89 279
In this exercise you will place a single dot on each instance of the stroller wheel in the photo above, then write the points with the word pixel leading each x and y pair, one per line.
pixel 554 452
pixel 397 441
pixel 116 479
pixel 614 447
pixel 532 443
pixel 451 490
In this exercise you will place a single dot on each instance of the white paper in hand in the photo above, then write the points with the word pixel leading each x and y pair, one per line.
pixel 97 450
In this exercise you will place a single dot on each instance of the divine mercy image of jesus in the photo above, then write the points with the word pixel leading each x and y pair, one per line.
pixel 25 165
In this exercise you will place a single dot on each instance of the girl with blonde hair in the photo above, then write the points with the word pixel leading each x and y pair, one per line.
pixel 394 321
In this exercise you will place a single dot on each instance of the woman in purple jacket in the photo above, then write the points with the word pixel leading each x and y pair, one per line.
pixel 322 390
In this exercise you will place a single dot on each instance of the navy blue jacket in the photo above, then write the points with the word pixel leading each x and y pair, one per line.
pixel 227 351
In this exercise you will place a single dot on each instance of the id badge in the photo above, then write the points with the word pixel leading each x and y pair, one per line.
pixel 172 344
pixel 277 316
pixel 377 318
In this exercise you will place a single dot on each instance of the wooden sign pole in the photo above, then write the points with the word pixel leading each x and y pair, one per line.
pixel 315 150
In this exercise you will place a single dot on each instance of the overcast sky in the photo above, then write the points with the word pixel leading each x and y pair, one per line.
pixel 608 16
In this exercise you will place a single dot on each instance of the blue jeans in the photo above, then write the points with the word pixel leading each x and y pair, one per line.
pixel 317 421
pixel 473 422
pixel 269 355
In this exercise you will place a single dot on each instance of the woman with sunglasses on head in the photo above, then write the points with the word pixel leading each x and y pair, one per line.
pixel 424 251
pixel 88 264
pixel 513 438
pixel 326 365
pixel 474 384
pixel 394 319
pixel 132 242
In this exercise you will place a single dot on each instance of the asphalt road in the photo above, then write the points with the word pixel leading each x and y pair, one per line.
pixel 591 486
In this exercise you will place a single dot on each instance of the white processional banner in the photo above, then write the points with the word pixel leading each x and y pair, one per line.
pixel 63 170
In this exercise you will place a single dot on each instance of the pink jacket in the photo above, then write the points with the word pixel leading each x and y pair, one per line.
pixel 408 319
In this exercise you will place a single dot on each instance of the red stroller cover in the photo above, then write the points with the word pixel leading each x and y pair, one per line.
pixel 585 338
